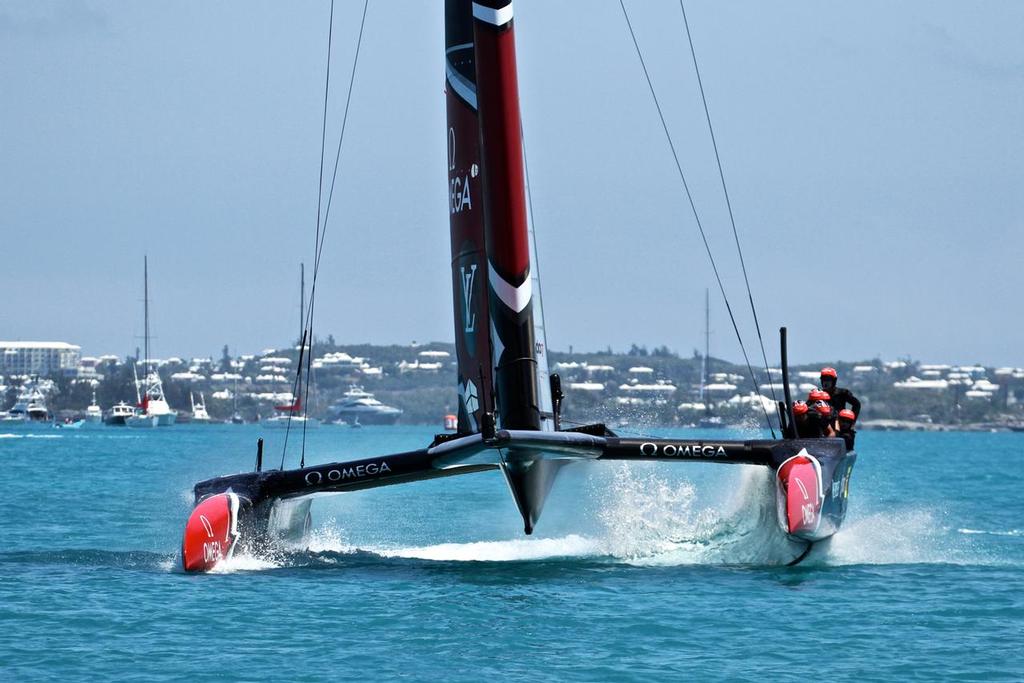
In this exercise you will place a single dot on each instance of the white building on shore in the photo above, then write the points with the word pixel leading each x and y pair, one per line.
pixel 38 358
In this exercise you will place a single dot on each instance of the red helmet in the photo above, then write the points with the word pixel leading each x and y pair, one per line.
pixel 847 414
pixel 800 408
pixel 829 372
pixel 823 409
pixel 818 395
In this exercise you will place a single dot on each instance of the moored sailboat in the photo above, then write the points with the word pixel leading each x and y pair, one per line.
pixel 290 415
pixel 155 411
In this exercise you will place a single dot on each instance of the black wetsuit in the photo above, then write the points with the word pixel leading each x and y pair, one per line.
pixel 848 436
pixel 814 426
pixel 840 397
pixel 808 428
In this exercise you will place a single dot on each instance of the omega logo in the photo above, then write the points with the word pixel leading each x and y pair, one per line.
pixel 670 450
pixel 340 473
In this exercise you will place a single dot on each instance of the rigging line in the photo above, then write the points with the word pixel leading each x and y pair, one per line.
pixel 533 229
pixel 728 204
pixel 341 139
pixel 296 388
pixel 322 231
pixel 316 238
pixel 696 217
pixel 337 158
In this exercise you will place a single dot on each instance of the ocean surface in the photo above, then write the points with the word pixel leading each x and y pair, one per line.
pixel 643 571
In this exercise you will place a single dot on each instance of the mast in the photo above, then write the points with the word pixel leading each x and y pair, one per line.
pixel 145 306
pixel 707 349
pixel 496 341
pixel 302 299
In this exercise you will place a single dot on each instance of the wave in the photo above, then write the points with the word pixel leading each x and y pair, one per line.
pixel 90 557
pixel 31 436
pixel 1008 532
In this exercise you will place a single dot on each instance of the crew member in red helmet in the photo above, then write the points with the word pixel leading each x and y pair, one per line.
pixel 806 428
pixel 839 397
pixel 824 415
pixel 846 430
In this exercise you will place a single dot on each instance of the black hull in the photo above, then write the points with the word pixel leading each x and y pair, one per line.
pixel 367 418
pixel 274 505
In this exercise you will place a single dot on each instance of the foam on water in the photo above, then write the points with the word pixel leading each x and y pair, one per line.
pixel 650 519
pixel 245 563
pixel 1008 532
pixel 646 519
pixel 501 551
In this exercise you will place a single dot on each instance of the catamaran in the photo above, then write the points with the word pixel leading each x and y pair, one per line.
pixel 509 407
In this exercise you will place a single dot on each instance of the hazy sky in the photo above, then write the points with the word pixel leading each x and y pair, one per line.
pixel 874 153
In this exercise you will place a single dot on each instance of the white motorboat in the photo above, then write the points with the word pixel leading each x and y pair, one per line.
pixel 199 414
pixel 93 414
pixel 359 406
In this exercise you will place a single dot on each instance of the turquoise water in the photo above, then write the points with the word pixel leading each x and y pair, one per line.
pixel 636 572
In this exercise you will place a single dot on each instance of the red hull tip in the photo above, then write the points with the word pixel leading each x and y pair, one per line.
pixel 210 533
pixel 800 495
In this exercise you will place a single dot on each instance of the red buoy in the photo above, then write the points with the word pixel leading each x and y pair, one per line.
pixel 210 533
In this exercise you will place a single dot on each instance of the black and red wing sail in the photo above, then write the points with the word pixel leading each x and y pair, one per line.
pixel 516 355
pixel 466 220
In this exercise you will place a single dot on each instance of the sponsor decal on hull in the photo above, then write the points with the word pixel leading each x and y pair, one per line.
pixel 683 450
pixel 342 473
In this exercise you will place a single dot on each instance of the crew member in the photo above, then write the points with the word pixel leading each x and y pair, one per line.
pixel 840 397
pixel 823 413
pixel 846 430
pixel 806 428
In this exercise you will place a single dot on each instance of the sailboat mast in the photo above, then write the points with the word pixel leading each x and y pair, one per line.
pixel 707 348
pixel 302 299
pixel 145 305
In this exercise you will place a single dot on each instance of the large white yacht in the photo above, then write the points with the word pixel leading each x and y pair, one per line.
pixel 150 393
pixel 29 407
pixel 359 406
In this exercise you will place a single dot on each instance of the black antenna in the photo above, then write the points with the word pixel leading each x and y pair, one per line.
pixel 302 299
pixel 145 305
pixel 707 351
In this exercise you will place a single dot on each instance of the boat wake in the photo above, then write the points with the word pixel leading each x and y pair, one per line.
pixel 644 520
pixel 648 519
